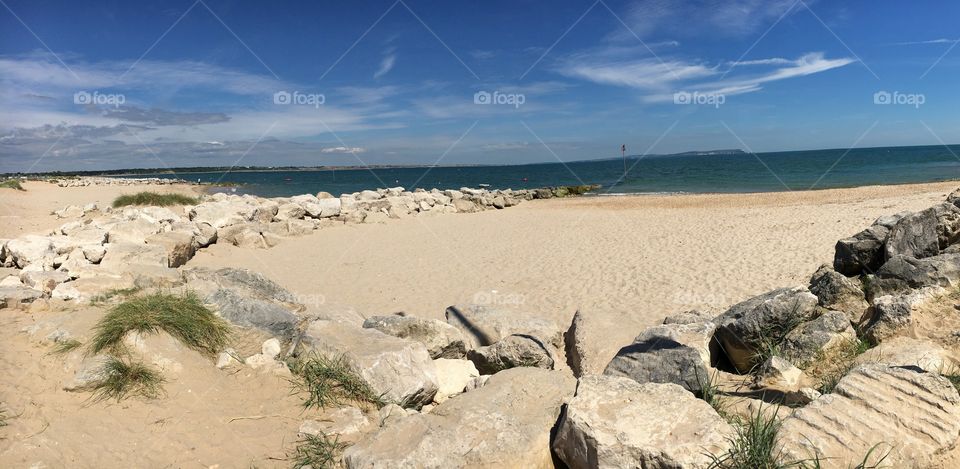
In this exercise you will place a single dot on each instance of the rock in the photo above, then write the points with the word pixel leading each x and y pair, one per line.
pixel 909 352
pixel 347 423
pixel 688 317
pixel 131 231
pixel 674 353
pixel 912 415
pixel 244 235
pixel 401 370
pixel 317 208
pixel 292 227
pixel 94 254
pixel 838 292
pixel 11 281
pixel 778 373
pixel 466 206
pixel 392 413
pixel 247 299
pixel 748 326
pixel 122 255
pixel 809 340
pixel 615 422
pixel 227 359
pixel 265 212
pixel 219 214
pixel 512 351
pixel 453 375
pixel 903 273
pixel 270 348
pixel 44 281
pixel 70 211
pixel 441 339
pixel 862 251
pixel 89 372
pixel 948 224
pixel 88 288
pixel 506 423
pixel 368 195
pixel 179 246
pixel 594 338
pixel 485 325
pixel 477 383
pixel 325 195
pixel 28 249
pixel 915 235
pixel 13 297
pixel 290 211
pixel 888 316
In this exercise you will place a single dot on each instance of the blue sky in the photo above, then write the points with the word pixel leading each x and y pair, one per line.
pixel 96 85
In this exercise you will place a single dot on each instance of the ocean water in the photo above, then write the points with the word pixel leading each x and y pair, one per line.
pixel 761 172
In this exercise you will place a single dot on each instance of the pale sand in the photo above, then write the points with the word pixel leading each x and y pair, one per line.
pixel 648 256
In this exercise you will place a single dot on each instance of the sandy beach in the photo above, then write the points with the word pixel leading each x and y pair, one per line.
pixel 635 259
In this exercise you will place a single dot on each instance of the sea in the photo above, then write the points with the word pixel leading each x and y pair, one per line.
pixel 685 173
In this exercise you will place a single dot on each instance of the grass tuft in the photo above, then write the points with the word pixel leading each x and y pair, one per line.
pixel 105 297
pixel 121 379
pixel 66 346
pixel 154 198
pixel 753 446
pixel 11 184
pixel 830 366
pixel 710 392
pixel 954 378
pixel 865 463
pixel 182 316
pixel 317 452
pixel 329 380
pixel 3 418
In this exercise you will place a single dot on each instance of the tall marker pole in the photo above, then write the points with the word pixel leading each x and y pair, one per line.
pixel 623 155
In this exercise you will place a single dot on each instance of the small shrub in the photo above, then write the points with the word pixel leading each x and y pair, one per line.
pixel 154 198
pixel 954 378
pixel 330 380
pixel 182 316
pixel 121 379
pixel 753 445
pixel 317 452
pixel 66 346
pixel 11 184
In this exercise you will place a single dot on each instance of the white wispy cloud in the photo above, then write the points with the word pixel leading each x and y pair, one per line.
pixel 703 17
pixel 931 41
pixel 343 150
pixel 389 60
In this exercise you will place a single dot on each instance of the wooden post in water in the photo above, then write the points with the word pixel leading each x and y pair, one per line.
pixel 623 155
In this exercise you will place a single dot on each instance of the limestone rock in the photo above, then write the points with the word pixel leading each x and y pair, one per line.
pixel 179 246
pixel 247 299
pixel 909 352
pixel 838 292
pixel 688 317
pixel 122 255
pixel 594 338
pixel 222 213
pixel 453 375
pixel 441 339
pixel 347 423
pixel 808 340
pixel 28 249
pixel 13 297
pixel 888 316
pixel 614 422
pixel 903 273
pixel 44 281
pixel 911 414
pixel 915 235
pixel 290 211
pixel 131 231
pixel 744 328
pixel 400 370
pixel 948 224
pixel 506 423
pixel 674 353
pixel 513 351
pixel 485 325
pixel 861 252
pixel 778 373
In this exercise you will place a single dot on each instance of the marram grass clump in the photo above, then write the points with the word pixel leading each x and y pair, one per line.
pixel 155 199
pixel 65 346
pixel 754 444
pixel 317 452
pixel 11 184
pixel 182 316
pixel 121 379
pixel 328 381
